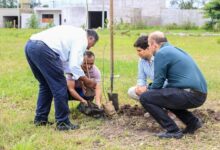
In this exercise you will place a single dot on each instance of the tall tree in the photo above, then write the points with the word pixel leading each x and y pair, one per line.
pixel 188 4
pixel 212 10
pixel 8 3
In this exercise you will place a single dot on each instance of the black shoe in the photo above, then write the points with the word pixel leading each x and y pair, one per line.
pixel 42 123
pixel 190 129
pixel 63 126
pixel 177 135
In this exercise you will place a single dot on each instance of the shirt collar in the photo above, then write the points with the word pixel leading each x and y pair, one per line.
pixel 164 44
pixel 152 59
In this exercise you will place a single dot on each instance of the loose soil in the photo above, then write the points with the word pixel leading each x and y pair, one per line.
pixel 133 124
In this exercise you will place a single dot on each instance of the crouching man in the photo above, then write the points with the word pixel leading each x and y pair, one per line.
pixel 186 88
pixel 145 68
pixel 78 90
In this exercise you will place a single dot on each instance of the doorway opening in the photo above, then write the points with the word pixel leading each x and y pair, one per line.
pixel 95 19
pixel 10 21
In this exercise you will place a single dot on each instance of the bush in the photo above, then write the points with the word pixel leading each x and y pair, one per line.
pixel 50 24
pixel 216 27
pixel 33 22
pixel 212 11
pixel 129 26
pixel 140 25
pixel 172 26
pixel 208 26
pixel 8 24
pixel 186 26
pixel 189 25
pixel 212 26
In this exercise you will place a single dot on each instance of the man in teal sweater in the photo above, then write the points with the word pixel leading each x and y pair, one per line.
pixel 186 87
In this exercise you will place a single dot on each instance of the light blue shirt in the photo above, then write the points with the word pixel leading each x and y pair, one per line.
pixel 145 71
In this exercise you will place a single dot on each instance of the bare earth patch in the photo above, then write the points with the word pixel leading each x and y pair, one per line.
pixel 133 127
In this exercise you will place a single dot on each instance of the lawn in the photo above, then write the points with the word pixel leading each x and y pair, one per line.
pixel 18 93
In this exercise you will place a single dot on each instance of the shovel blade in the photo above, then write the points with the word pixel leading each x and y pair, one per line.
pixel 114 98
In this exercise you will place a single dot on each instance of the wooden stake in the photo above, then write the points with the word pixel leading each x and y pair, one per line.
pixel 111 45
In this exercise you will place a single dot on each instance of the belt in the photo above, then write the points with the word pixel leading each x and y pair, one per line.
pixel 194 91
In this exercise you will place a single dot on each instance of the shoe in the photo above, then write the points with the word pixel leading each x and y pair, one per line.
pixel 177 135
pixel 42 123
pixel 190 129
pixel 63 126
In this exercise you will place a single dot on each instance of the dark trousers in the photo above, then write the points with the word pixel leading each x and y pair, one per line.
pixel 176 100
pixel 47 69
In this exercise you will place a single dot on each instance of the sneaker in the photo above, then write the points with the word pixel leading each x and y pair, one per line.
pixel 190 129
pixel 176 135
pixel 42 123
pixel 63 126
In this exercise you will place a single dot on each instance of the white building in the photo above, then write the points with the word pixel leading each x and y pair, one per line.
pixel 146 12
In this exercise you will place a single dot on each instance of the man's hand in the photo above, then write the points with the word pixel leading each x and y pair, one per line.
pixel 140 89
pixel 84 102
pixel 88 82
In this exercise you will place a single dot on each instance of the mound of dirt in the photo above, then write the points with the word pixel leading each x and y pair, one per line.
pixel 133 125
pixel 207 115
pixel 135 118
pixel 204 114
pixel 131 111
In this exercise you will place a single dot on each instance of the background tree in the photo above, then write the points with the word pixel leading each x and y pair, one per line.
pixel 33 22
pixel 187 4
pixel 8 3
pixel 35 3
pixel 212 10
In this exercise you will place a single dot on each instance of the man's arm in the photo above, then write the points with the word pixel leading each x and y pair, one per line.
pixel 76 59
pixel 88 82
pixel 160 71
pixel 73 93
pixel 98 94
pixel 141 80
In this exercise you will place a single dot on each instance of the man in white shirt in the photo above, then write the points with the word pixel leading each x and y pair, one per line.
pixel 50 54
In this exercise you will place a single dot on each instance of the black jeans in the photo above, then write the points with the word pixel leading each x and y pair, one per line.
pixel 173 99
pixel 48 70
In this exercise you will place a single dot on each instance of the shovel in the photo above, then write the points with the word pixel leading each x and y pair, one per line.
pixel 114 98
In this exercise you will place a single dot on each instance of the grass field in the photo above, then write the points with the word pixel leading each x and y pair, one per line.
pixel 18 93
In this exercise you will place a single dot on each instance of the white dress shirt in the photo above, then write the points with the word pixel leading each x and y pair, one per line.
pixel 70 43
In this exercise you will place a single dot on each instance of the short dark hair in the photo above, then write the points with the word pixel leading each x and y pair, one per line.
pixel 89 54
pixel 92 33
pixel 142 42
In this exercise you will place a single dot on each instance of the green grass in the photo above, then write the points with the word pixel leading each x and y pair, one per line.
pixel 18 93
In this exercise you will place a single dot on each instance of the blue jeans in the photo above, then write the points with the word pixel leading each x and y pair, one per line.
pixel 173 99
pixel 48 70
